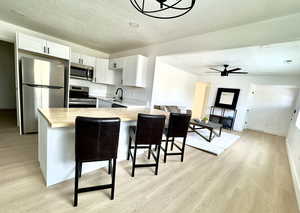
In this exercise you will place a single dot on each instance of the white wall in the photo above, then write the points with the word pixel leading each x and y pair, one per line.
pixel 293 147
pixel 7 76
pixel 173 86
pixel 270 108
pixel 244 84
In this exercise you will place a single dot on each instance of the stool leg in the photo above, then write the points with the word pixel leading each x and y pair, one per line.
pixel 172 145
pixel 183 147
pixel 79 169
pixel 76 185
pixel 112 196
pixel 133 161
pixel 109 166
pixel 129 148
pixel 166 150
pixel 157 160
pixel 149 150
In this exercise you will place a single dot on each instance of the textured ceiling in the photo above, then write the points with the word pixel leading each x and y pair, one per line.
pixel 104 24
pixel 258 60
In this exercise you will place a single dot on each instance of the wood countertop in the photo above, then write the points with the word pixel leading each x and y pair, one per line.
pixel 65 117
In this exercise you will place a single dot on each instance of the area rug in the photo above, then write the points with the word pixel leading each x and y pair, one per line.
pixel 216 146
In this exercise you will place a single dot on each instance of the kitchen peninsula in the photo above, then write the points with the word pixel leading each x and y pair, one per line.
pixel 56 139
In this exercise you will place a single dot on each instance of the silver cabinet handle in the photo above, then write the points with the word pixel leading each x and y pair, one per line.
pixel 45 50
pixel 48 50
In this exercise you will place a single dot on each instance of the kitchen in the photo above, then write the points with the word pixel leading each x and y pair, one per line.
pixel 85 81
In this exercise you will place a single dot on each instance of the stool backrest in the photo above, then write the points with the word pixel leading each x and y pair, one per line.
pixel 149 129
pixel 96 139
pixel 178 124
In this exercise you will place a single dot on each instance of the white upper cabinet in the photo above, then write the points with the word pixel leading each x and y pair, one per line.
pixel 89 60
pixel 75 58
pixel 78 58
pixel 101 70
pixel 104 75
pixel 116 63
pixel 135 70
pixel 32 44
pixel 58 50
pixel 37 45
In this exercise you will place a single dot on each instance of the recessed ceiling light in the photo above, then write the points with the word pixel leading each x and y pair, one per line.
pixel 134 25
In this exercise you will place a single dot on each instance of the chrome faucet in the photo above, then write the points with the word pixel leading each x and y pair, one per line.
pixel 122 92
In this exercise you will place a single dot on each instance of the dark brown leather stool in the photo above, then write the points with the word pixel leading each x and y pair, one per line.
pixel 96 139
pixel 177 128
pixel 148 132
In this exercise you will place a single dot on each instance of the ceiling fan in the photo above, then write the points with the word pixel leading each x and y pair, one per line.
pixel 226 72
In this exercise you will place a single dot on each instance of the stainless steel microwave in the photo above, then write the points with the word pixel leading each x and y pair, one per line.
pixel 82 72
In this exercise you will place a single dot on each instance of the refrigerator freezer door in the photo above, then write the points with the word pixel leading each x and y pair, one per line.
pixel 31 101
pixel 42 72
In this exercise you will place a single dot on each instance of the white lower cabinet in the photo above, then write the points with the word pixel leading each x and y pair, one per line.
pixel 103 104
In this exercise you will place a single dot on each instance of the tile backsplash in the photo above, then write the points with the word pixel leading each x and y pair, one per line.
pixel 129 92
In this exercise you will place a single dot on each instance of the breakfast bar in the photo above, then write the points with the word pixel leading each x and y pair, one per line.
pixel 56 138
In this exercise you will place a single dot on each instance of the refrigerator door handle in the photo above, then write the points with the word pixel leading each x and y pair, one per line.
pixel 54 87
pixel 34 85
pixel 44 86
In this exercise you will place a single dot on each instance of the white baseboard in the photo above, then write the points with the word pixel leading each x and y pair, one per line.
pixel 295 176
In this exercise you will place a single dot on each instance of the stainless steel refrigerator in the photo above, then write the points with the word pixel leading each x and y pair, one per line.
pixel 43 85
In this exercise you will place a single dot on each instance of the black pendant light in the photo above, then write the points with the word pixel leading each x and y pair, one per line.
pixel 163 9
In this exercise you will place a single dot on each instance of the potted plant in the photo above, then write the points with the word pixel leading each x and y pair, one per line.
pixel 205 120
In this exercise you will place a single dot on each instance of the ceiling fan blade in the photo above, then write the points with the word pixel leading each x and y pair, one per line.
pixel 233 70
pixel 239 73
pixel 216 69
pixel 213 72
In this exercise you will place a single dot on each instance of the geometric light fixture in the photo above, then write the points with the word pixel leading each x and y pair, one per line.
pixel 163 9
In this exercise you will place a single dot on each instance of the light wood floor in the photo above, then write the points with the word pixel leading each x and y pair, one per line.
pixel 253 176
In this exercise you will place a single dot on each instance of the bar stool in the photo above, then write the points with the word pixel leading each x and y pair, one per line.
pixel 96 139
pixel 177 128
pixel 148 132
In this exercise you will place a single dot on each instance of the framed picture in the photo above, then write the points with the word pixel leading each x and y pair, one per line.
pixel 227 98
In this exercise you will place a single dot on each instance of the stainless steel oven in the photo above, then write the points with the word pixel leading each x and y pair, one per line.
pixel 82 72
pixel 79 98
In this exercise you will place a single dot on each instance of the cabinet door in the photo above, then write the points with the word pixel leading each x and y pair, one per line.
pixel 88 60
pixel 116 63
pixel 32 44
pixel 75 58
pixel 58 50
pixel 129 71
pixel 107 104
pixel 134 71
pixel 101 70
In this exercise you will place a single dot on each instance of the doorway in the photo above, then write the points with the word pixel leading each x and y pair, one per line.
pixel 270 108
pixel 7 81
